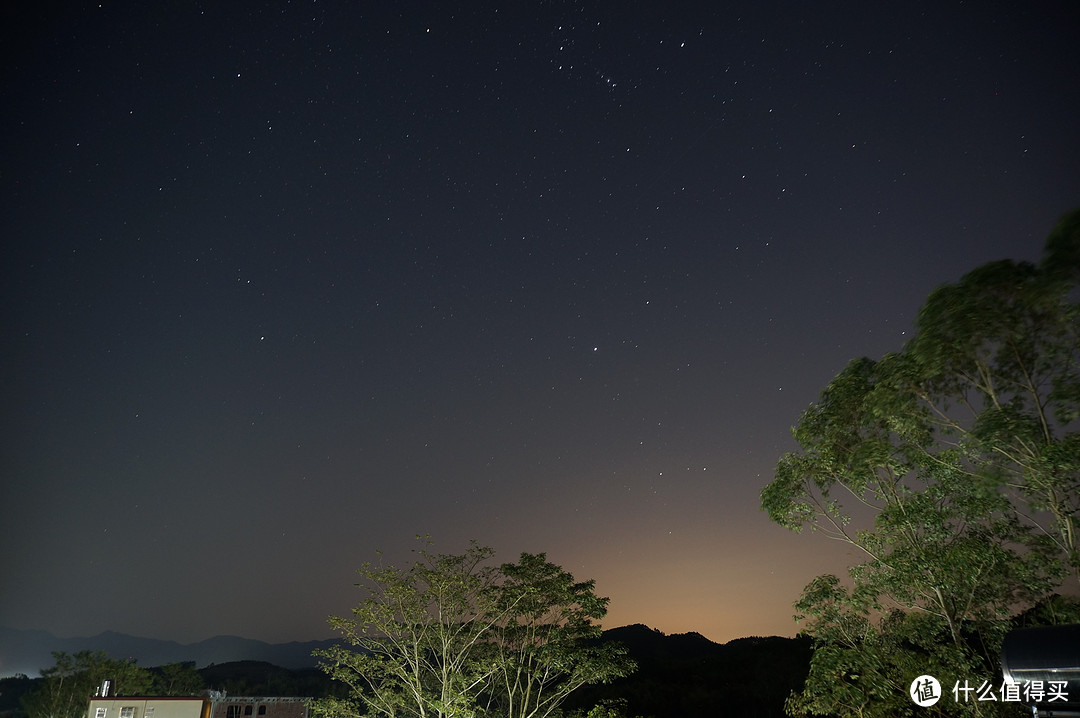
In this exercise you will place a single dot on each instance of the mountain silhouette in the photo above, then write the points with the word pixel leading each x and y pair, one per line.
pixel 27 652
pixel 683 675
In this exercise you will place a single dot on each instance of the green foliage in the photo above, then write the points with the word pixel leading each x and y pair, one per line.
pixel 610 708
pixel 178 679
pixel 544 643
pixel 954 468
pixel 67 686
pixel 417 631
pixel 69 683
pixel 452 635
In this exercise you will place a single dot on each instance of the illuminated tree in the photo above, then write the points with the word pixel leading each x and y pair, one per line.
pixel 545 644
pixel 953 467
pixel 452 635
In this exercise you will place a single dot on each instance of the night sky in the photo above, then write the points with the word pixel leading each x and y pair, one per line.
pixel 288 283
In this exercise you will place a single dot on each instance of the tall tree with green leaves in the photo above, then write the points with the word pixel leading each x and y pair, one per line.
pixel 454 636
pixel 996 364
pixel 545 644
pixel 416 636
pixel 953 468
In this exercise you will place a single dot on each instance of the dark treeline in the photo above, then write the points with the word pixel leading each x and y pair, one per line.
pixel 686 675
pixel 678 676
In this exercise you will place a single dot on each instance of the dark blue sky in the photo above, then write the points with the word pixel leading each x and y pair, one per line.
pixel 288 283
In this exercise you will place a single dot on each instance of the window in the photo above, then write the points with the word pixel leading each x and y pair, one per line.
pixel 101 711
pixel 247 710
pixel 262 710
pixel 232 711
pixel 127 712
pixel 149 712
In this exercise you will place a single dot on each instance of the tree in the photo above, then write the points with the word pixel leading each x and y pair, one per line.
pixel 178 679
pixel 545 644
pixel 418 631
pixel 953 467
pixel 452 635
pixel 69 684
pixel 996 363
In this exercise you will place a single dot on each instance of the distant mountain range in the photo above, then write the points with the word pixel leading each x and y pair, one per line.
pixel 678 676
pixel 27 652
